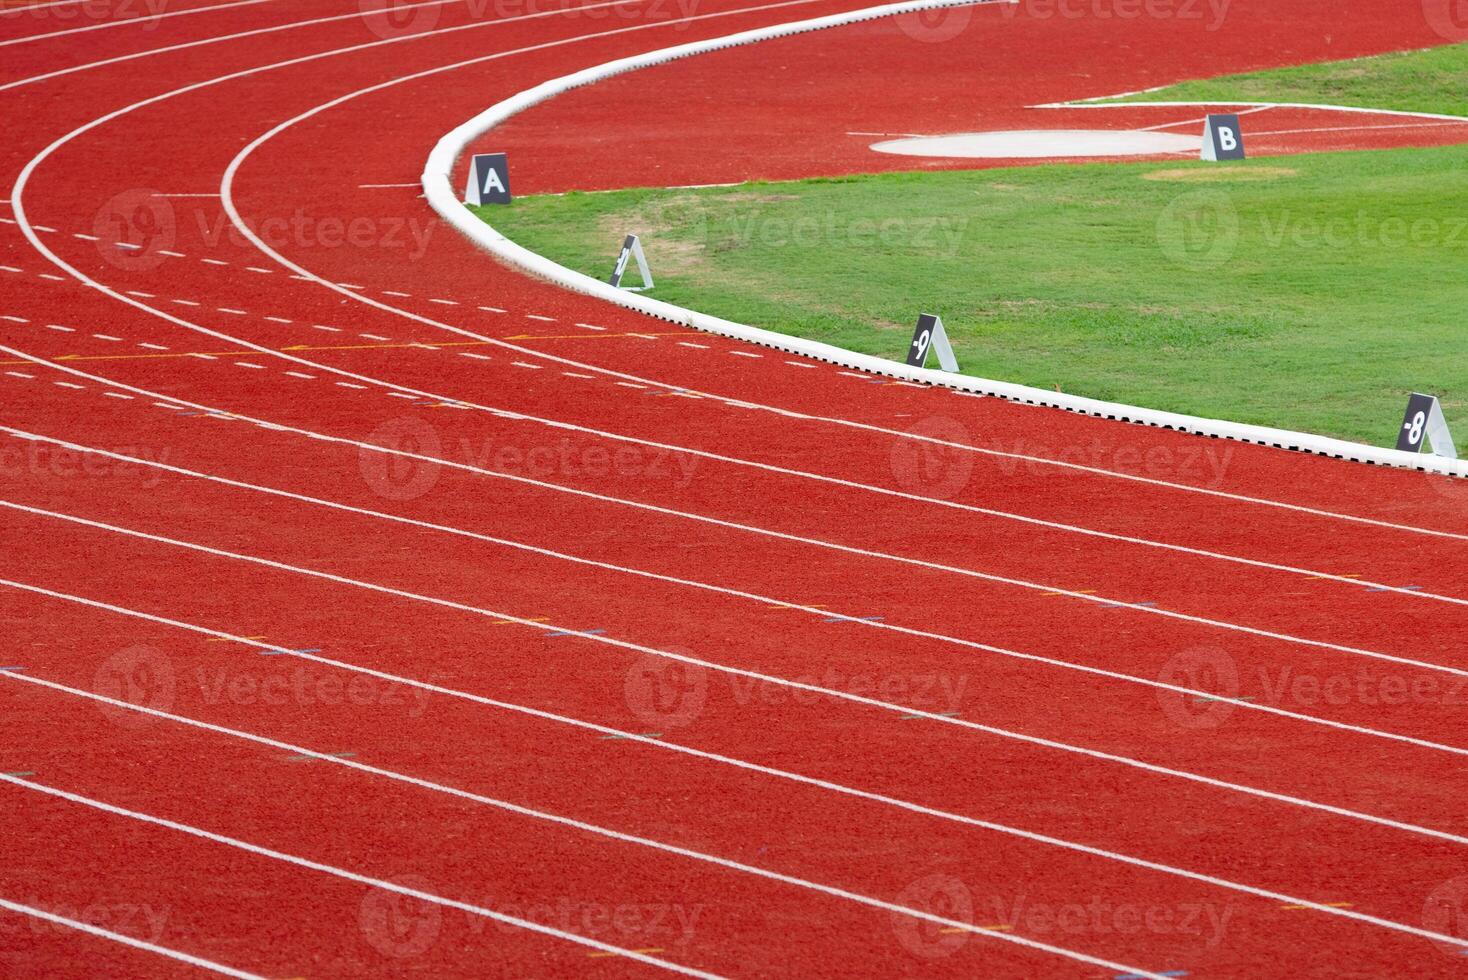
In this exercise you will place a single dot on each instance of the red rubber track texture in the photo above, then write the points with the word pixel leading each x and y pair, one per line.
pixel 245 912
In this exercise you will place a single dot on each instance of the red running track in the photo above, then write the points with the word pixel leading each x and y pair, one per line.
pixel 483 629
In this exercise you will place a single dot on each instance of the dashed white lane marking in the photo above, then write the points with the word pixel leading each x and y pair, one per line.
pixel 853 374
pixel 394 292
pixel 57 326
pixel 53 278
pixel 444 302
pixel 140 294
pixel 490 309
pixel 232 312
pixel 477 357
pixel 117 394
pixel 628 384
pixel 15 319
pixel 9 268
pixel 214 261
pixel 103 336
pixel 522 364
pixel 21 374
pixel 185 302
pixel 689 343
pixel 800 364
pixel 298 374
pixel 348 384
pixel 277 319
pixel 537 316
pixel 318 326
pixel 373 336
pixel 590 326
pixel 202 357
pixel 68 384
pixel 400 394
pixel 744 353
pixel 256 268
pixel 152 346
pixel 247 364
pixel 573 374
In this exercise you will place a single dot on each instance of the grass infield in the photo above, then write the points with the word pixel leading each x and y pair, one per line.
pixel 1309 292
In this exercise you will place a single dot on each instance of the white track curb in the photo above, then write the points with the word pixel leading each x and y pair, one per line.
pixel 438 187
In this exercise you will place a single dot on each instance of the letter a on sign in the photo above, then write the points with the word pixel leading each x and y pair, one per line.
pixel 1424 422
pixel 489 179
pixel 1223 139
pixel 930 336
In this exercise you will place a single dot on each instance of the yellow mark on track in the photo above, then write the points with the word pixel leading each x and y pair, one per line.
pixel 1310 908
pixel 593 336
pixel 1072 592
pixel 231 639
pixel 650 949
pixel 520 622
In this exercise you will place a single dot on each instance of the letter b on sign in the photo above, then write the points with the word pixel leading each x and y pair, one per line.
pixel 1223 139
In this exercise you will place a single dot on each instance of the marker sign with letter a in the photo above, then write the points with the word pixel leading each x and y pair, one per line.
pixel 489 179
pixel 631 249
pixel 930 336
pixel 1223 139
pixel 1424 423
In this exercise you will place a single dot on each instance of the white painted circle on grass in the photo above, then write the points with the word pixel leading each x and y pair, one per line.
pixel 1041 143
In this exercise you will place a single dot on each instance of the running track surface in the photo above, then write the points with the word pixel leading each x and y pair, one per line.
pixel 387 612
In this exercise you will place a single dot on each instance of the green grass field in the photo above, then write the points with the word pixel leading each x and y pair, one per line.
pixel 1308 292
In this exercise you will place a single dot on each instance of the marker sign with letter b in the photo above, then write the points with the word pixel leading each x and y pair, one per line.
pixel 1223 139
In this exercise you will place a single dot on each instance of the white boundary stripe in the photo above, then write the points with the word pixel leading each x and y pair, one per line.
pixel 752 529
pixel 589 828
pixel 118 937
pixel 334 871
pixel 439 192
pixel 755 597
pixel 1142 104
pixel 1094 754
pixel 843 422
pixel 134 20
pixel 727 760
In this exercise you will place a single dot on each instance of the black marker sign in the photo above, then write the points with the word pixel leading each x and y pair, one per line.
pixel 930 336
pixel 1223 139
pixel 489 179
pixel 1424 423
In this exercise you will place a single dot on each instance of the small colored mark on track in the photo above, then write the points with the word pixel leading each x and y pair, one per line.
pixel 320 755
pixel 596 632
pixel 1311 908
pixel 648 949
pixel 632 735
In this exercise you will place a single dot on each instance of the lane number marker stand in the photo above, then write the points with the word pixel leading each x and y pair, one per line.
pixel 1222 138
pixel 631 249
pixel 489 179
pixel 930 336
pixel 1425 423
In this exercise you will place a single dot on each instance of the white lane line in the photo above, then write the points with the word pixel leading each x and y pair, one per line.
pixel 573 374
pixel 21 374
pixel 1096 755
pixel 277 319
pixel 247 364
pixel 318 326
pixel 543 319
pixel 522 364
pixel 353 876
pixel 117 394
pixel 742 353
pixel 117 937
pixel 596 830
pixel 149 19
pixel 348 384
pixel 186 302
pixel 487 309
pixel 226 186
pixel 68 384
pixel 444 302
pixel 659 744
pixel 689 343
pixel 590 326
pixel 764 600
pixel 800 364
pixel 373 336
pixel 152 346
pixel 477 357
pixel 57 326
pixel 1103 601
pixel 298 374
